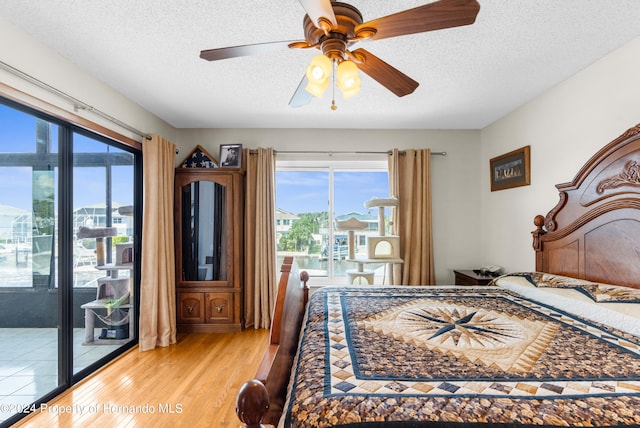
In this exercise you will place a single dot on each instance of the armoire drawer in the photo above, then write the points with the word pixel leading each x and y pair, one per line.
pixel 191 308
pixel 219 307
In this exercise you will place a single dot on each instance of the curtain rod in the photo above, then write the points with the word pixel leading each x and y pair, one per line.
pixel 331 152
pixel 77 104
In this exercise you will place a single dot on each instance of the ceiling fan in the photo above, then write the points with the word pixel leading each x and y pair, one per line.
pixel 334 27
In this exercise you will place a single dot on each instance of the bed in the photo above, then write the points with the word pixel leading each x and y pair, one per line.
pixel 558 346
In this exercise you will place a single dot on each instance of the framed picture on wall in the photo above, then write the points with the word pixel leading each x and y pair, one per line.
pixel 231 155
pixel 511 169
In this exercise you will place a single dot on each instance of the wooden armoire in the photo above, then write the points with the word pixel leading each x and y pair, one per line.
pixel 209 217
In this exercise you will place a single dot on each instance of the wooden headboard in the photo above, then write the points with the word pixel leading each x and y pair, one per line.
pixel 593 232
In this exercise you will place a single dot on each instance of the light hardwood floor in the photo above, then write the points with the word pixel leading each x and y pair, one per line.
pixel 191 384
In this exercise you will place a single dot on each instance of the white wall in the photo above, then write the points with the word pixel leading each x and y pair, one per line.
pixel 565 127
pixel 19 50
pixel 456 192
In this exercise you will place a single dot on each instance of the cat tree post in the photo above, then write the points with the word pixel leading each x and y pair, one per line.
pixel 351 225
pixel 99 233
pixel 381 222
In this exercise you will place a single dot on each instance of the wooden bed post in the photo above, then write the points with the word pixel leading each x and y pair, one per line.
pixel 537 243
pixel 252 404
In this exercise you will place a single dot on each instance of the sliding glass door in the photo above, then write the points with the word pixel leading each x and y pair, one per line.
pixel 67 216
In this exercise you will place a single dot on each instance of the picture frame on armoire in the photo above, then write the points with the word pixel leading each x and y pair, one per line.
pixel 230 155
pixel 511 169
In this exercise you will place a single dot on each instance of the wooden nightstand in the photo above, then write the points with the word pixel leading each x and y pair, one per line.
pixel 469 277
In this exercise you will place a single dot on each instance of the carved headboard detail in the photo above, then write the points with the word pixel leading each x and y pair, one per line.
pixel 593 232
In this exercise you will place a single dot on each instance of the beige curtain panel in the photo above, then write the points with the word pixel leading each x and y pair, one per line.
pixel 157 285
pixel 410 182
pixel 260 273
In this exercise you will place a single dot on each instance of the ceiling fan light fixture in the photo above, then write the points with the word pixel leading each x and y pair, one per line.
pixel 333 27
pixel 348 79
pixel 319 69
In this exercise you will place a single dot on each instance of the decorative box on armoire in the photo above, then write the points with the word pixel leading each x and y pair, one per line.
pixel 209 216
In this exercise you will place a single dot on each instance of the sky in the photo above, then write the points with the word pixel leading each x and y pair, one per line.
pixel 308 191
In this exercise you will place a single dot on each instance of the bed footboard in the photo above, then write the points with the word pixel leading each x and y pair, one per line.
pixel 262 398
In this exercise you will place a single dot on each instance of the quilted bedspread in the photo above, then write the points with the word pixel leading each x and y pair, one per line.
pixel 431 355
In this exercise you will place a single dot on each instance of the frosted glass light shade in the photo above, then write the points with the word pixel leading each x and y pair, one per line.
pixel 348 79
pixel 318 73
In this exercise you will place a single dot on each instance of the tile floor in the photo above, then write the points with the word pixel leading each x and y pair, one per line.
pixel 29 364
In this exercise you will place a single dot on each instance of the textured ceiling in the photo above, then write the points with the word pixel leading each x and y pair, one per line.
pixel 469 76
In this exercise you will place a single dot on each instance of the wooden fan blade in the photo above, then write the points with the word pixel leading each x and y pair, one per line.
pixel 433 16
pixel 245 50
pixel 301 97
pixel 317 9
pixel 385 74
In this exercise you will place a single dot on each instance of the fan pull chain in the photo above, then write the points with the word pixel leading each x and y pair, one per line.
pixel 333 88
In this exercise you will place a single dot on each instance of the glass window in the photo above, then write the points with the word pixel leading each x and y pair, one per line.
pixel 310 201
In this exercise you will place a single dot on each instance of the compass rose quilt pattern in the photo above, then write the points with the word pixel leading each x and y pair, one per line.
pixel 442 355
